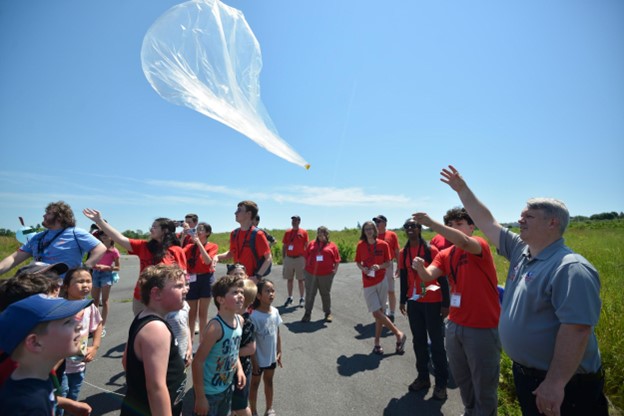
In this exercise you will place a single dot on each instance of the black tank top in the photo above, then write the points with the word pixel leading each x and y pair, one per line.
pixel 135 402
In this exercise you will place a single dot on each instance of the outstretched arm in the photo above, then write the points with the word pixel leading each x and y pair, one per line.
pixel 95 216
pixel 479 213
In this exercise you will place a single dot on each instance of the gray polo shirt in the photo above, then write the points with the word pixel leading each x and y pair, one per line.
pixel 555 287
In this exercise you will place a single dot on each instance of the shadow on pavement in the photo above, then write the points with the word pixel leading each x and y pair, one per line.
pixel 299 327
pixel 115 352
pixel 106 402
pixel 412 404
pixel 348 366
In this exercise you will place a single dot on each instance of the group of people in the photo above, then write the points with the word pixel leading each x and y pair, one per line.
pixel 545 322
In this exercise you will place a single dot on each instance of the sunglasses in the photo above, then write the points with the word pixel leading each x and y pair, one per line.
pixel 410 226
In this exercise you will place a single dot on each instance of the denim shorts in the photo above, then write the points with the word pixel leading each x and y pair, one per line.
pixel 102 278
pixel 220 404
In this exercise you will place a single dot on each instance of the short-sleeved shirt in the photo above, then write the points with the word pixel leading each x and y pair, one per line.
pixel 241 250
pixel 472 277
pixel 109 257
pixel 414 282
pixel 440 242
pixel 68 245
pixel 321 258
pixel 295 242
pixel 555 287
pixel 91 318
pixel 174 255
pixel 267 329
pixel 370 254
pixel 194 260
pixel 391 238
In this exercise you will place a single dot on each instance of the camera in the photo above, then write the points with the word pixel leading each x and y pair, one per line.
pixel 179 223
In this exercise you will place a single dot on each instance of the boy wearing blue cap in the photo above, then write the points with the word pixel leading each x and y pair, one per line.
pixel 37 332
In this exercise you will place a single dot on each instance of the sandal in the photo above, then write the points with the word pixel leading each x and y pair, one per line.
pixel 400 346
pixel 378 350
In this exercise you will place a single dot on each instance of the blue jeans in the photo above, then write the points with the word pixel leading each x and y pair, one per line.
pixel 71 384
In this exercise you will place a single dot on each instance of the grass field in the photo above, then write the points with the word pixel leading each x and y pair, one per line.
pixel 601 242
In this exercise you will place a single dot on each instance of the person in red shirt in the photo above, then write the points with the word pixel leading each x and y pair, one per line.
pixel 391 238
pixel 423 303
pixel 472 341
pixel 294 245
pixel 372 257
pixel 162 248
pixel 240 243
pixel 200 268
pixel 322 260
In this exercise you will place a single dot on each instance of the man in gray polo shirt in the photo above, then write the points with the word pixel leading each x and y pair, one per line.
pixel 550 307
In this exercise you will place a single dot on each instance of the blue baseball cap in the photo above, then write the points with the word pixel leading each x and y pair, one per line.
pixel 20 318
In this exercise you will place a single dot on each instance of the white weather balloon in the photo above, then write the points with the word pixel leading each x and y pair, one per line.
pixel 203 55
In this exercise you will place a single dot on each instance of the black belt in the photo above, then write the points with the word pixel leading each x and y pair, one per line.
pixel 576 378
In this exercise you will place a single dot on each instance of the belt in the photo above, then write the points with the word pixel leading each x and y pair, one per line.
pixel 294 257
pixel 576 378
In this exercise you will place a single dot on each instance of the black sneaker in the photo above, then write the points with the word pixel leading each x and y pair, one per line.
pixel 391 317
pixel 439 393
pixel 288 301
pixel 418 385
pixel 301 302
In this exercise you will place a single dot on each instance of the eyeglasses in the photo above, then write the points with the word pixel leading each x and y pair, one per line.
pixel 410 226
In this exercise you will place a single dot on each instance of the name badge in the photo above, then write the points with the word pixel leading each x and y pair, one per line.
pixel 291 247
pixel 455 300
pixel 192 278
pixel 319 257
pixel 371 273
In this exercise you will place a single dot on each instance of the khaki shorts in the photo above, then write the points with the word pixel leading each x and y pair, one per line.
pixel 293 266
pixel 376 296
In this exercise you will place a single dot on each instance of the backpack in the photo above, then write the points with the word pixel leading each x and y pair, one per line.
pixel 252 246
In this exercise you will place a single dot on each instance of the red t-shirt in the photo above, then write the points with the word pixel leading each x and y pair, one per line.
pixel 413 279
pixel 192 251
pixel 241 251
pixel 320 258
pixel 295 241
pixel 473 277
pixel 370 254
pixel 440 242
pixel 391 238
pixel 7 366
pixel 174 255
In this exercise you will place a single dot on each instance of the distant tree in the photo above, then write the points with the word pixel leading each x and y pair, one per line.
pixel 6 233
pixel 136 234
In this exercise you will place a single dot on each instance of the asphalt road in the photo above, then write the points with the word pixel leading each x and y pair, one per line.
pixel 329 368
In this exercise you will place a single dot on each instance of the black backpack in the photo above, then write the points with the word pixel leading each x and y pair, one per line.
pixel 252 246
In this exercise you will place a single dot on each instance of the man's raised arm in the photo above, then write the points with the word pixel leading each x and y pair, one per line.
pixel 479 213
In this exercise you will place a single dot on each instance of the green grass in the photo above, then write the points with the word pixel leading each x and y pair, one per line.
pixel 601 242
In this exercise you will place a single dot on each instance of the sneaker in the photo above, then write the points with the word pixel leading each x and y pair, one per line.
pixel 288 301
pixel 439 393
pixel 329 317
pixel 301 302
pixel 197 327
pixel 270 412
pixel 419 384
pixel 103 331
pixel 391 317
pixel 306 318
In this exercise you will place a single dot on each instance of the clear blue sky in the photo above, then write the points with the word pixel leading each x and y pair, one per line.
pixel 525 98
